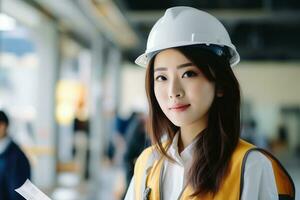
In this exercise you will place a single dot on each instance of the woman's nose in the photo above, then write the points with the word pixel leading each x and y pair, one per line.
pixel 175 90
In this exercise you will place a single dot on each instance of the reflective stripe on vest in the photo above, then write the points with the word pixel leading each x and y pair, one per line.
pixel 148 172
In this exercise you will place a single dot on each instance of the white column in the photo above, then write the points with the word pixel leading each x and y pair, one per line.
pixel 114 65
pixel 46 39
pixel 96 100
pixel 113 77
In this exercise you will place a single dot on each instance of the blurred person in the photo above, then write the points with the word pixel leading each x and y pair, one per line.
pixel 81 138
pixel 194 98
pixel 14 165
pixel 136 141
pixel 117 144
pixel 80 149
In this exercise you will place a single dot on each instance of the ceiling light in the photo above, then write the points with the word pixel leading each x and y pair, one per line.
pixel 7 23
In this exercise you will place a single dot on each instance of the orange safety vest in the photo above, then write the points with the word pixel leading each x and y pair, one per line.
pixel 148 169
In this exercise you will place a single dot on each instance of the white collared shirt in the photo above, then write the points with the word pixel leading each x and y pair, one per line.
pixel 259 180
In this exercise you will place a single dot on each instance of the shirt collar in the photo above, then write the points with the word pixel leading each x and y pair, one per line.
pixel 185 156
pixel 4 142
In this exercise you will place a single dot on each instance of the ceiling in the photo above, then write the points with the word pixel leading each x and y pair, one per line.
pixel 260 29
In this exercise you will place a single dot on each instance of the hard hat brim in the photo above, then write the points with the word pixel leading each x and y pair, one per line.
pixel 144 59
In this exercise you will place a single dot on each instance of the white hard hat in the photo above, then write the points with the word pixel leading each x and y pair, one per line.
pixel 183 26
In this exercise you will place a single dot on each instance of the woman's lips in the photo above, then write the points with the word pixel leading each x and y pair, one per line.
pixel 180 108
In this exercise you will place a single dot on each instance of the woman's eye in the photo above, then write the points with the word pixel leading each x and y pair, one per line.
pixel 160 78
pixel 189 74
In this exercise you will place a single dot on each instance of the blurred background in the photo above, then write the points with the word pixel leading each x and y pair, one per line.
pixel 76 99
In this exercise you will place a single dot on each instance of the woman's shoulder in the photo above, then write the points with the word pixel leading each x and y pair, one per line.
pixel 250 154
pixel 151 154
pixel 147 153
pixel 153 150
pixel 257 158
pixel 145 160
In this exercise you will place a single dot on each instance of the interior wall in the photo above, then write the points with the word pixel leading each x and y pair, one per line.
pixel 269 86
pixel 133 95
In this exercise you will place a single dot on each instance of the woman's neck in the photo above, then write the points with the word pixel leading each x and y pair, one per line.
pixel 188 134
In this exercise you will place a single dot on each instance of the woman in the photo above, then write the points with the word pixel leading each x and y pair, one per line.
pixel 194 102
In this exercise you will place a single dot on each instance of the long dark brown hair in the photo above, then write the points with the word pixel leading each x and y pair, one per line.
pixel 215 145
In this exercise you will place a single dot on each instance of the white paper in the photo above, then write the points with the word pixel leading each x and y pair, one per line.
pixel 31 192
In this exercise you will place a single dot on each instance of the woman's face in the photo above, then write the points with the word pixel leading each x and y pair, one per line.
pixel 2 130
pixel 181 89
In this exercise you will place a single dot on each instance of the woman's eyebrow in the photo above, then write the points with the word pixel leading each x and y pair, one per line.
pixel 184 65
pixel 178 67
